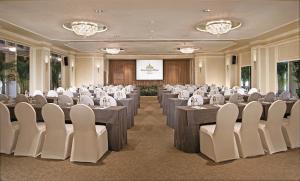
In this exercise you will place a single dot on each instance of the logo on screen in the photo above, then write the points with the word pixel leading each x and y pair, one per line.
pixel 149 69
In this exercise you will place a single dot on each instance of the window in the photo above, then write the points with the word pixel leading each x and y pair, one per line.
pixel 288 77
pixel 14 68
pixel 55 60
pixel 246 77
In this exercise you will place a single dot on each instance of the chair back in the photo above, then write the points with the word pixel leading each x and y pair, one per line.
pixel 184 94
pixel 4 98
pixel 60 90
pixel 254 97
pixel 226 118
pixel 107 101
pixel 54 118
pixel 6 127
pixel 21 98
pixel 26 117
pixel 252 90
pixel 69 93
pixel 234 98
pixel 64 100
pixel 199 92
pixel 37 92
pixel 52 93
pixel 195 100
pixel 118 95
pixel 294 120
pixel 40 100
pixel 275 114
pixel 241 91
pixel 270 97
pixel 86 100
pixel 217 99
pixel 227 92
pixel 285 95
pixel 251 117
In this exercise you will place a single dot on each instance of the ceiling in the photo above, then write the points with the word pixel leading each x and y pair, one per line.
pixel 145 26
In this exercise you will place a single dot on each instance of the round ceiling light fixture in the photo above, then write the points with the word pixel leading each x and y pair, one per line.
pixel 85 28
pixel 218 27
pixel 112 51
pixel 187 50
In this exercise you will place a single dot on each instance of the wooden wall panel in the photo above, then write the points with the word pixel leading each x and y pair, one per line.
pixel 176 71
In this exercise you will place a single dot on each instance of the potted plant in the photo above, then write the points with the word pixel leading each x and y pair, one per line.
pixel 4 66
pixel 296 74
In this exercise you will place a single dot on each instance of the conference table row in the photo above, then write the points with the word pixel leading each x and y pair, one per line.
pixel 117 119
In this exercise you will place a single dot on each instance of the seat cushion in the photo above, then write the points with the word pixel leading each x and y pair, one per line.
pixel 208 129
pixel 100 129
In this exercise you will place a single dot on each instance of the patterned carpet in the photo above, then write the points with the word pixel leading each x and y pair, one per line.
pixel 150 155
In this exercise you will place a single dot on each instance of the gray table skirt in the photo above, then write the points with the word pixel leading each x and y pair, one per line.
pixel 171 110
pixel 164 102
pixel 135 98
pixel 188 121
pixel 114 118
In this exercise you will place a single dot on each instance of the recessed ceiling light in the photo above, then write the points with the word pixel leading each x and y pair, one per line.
pixel 206 10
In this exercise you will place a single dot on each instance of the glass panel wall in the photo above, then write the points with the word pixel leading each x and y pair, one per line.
pixel 246 77
pixel 14 68
pixel 55 81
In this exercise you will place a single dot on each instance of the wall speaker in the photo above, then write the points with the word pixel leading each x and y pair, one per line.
pixel 66 61
pixel 234 60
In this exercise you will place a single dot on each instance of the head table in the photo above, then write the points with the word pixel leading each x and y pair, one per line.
pixel 188 121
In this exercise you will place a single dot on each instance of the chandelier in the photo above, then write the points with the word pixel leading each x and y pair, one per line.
pixel 187 50
pixel 218 27
pixel 112 51
pixel 85 28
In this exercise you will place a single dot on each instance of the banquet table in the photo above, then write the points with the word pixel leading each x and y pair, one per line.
pixel 165 97
pixel 188 121
pixel 114 118
pixel 160 91
pixel 135 98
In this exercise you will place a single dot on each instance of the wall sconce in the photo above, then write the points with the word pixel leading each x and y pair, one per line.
pixel 200 66
pixel 98 67
pixel 72 66
pixel 46 62
pixel 227 67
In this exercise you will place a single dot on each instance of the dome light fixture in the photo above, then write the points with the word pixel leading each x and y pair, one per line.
pixel 218 27
pixel 112 51
pixel 85 28
pixel 187 50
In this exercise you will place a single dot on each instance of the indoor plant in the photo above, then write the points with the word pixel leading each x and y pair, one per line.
pixel 296 74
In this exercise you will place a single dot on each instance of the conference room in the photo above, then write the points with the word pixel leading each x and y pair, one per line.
pixel 149 90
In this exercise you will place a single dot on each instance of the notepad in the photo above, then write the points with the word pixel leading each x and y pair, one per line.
pixel 198 107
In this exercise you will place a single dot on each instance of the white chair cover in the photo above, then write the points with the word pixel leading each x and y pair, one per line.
pixel 217 141
pixel 73 89
pixel 184 94
pixel 254 97
pixel 101 93
pixel 90 142
pixel 37 92
pixel 228 92
pixel 8 131
pixel 60 90
pixel 119 95
pixel 64 100
pixel 21 98
pixel 69 93
pixel 199 92
pixel 270 97
pixel 52 93
pixel 246 133
pixel 285 95
pixel 217 99
pixel 236 98
pixel 241 91
pixel 291 127
pixel 58 136
pixel 40 100
pixel 195 100
pixel 107 101
pixel 86 100
pixel 270 130
pixel 252 90
pixel 4 98
pixel 31 136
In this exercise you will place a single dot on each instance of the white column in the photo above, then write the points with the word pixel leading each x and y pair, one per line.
pixel 72 67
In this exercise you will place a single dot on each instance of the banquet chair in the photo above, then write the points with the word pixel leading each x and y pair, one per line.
pixel 199 92
pixel 217 141
pixel 60 90
pixel 241 91
pixel 270 97
pixel 252 90
pixel 254 97
pixel 285 95
pixel 227 92
pixel 69 93
pixel 58 135
pixel 37 92
pixel 40 100
pixel 246 133
pixel 217 99
pixel 86 100
pixel 107 101
pixel 235 98
pixel 31 136
pixel 72 89
pixel 90 141
pixel 52 93
pixel 291 127
pixel 118 95
pixel 195 100
pixel 64 100
pixel 4 98
pixel 183 94
pixel 101 93
pixel 8 131
pixel 21 98
pixel 190 89
pixel 270 130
